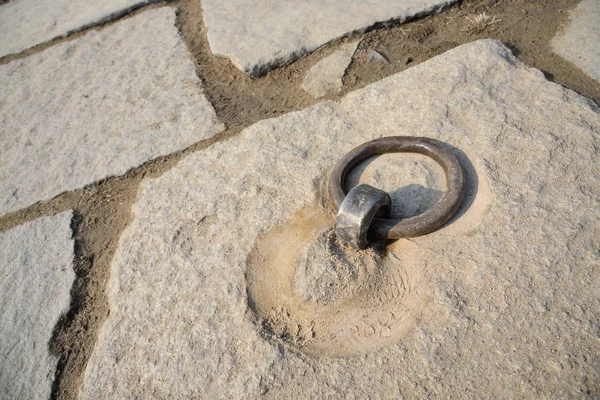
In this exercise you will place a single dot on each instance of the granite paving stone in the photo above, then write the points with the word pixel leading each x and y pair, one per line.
pixel 36 274
pixel 229 283
pixel 326 76
pixel 259 35
pixel 579 43
pixel 97 106
pixel 26 23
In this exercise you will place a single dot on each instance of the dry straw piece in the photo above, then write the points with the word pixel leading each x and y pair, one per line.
pixel 479 22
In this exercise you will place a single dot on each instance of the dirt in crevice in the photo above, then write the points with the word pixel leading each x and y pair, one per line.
pixel 239 99
pixel 100 213
pixel 75 334
pixel 103 210
pixel 526 26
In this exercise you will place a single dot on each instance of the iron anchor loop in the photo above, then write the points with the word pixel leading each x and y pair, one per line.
pixel 390 228
pixel 356 212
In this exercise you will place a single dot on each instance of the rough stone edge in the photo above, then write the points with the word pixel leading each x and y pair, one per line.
pixel 259 70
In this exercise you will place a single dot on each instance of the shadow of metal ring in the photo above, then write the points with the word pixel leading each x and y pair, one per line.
pixel 428 221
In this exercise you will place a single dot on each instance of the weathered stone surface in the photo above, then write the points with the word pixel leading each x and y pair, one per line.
pixel 97 106
pixel 259 35
pixel 36 274
pixel 375 56
pixel 26 23
pixel 580 42
pixel 326 75
pixel 210 288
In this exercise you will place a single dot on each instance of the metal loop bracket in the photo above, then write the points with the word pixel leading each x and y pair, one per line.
pixel 359 207
pixel 428 221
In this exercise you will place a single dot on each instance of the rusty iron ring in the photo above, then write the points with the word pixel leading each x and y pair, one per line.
pixel 428 221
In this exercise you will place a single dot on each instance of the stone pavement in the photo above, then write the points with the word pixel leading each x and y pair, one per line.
pixel 259 35
pixel 26 23
pixel 507 293
pixel 579 42
pixel 228 281
pixel 36 274
pixel 97 106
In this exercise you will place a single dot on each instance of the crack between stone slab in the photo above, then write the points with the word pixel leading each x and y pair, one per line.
pixel 82 265
pixel 410 43
pixel 238 99
pixel 102 211
pixel 259 71
pixel 113 197
pixel 95 241
pixel 106 188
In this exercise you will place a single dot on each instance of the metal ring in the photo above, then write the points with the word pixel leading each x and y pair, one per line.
pixel 418 225
pixel 359 207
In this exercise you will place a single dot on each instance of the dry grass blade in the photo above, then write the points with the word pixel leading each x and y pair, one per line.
pixel 479 22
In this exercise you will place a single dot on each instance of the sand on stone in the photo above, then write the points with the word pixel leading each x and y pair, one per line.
pixel 365 303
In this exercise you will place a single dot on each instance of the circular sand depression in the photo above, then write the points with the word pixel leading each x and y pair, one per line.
pixel 327 299
pixel 308 290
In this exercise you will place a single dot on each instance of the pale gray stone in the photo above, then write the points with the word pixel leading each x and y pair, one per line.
pixel 375 56
pixel 326 76
pixel 502 301
pixel 579 43
pixel 259 35
pixel 36 274
pixel 26 23
pixel 97 106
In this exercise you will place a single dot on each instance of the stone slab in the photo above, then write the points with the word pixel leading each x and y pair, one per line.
pixel 26 23
pixel 579 43
pixel 375 56
pixel 36 274
pixel 326 76
pixel 96 107
pixel 229 283
pixel 259 35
